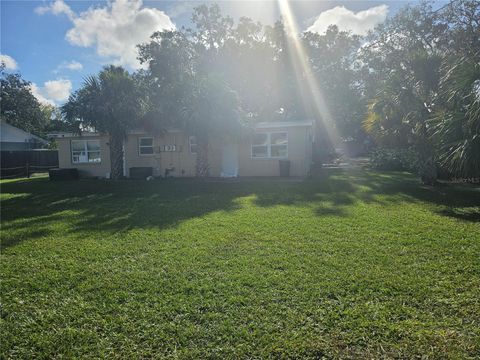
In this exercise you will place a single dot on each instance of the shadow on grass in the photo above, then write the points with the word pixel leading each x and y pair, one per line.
pixel 337 189
pixel 31 207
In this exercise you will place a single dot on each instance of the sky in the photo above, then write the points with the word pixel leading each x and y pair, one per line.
pixel 55 44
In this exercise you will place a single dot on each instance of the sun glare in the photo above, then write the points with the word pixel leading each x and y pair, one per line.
pixel 303 72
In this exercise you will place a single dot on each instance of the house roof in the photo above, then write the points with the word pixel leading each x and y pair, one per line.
pixel 260 125
pixel 61 134
pixel 282 124
pixel 10 133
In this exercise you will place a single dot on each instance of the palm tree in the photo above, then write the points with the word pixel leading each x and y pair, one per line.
pixel 456 126
pixel 385 117
pixel 111 104
pixel 402 108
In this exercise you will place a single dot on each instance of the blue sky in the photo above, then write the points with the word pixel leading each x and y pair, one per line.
pixel 55 44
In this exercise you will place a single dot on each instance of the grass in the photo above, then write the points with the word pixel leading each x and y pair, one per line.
pixel 354 264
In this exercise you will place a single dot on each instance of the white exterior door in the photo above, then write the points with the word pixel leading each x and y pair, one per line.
pixel 230 160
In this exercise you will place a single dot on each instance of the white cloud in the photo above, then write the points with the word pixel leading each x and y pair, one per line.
pixel 359 23
pixel 52 91
pixel 9 62
pixel 57 7
pixel 37 92
pixel 58 90
pixel 72 65
pixel 181 8
pixel 115 29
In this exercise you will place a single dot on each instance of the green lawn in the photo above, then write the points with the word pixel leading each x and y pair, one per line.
pixel 353 264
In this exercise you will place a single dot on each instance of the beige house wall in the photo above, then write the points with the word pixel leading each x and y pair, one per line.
pixel 101 169
pixel 183 161
pixel 299 154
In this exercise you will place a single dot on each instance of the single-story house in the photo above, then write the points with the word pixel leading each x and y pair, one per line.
pixel 173 152
pixel 13 138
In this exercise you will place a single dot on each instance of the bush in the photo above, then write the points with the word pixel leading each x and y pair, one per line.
pixel 394 159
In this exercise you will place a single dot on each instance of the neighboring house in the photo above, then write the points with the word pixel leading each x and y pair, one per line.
pixel 174 152
pixel 13 138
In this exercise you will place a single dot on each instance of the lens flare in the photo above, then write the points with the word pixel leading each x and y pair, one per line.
pixel 304 74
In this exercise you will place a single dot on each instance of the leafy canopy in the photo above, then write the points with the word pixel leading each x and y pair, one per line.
pixel 19 107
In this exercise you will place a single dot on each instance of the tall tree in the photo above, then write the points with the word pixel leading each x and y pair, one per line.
pixel 184 91
pixel 332 57
pixel 19 107
pixel 212 112
pixel 172 60
pixel 403 58
pixel 456 125
pixel 111 103
pixel 248 64
pixel 421 72
pixel 402 70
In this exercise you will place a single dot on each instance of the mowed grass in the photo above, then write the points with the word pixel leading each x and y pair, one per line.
pixel 353 264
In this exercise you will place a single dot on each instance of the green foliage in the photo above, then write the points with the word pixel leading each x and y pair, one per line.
pixel 412 82
pixel 183 90
pixel 212 29
pixel 18 105
pixel 387 119
pixel 171 57
pixel 350 266
pixel 213 110
pixel 394 87
pixel 110 103
pixel 394 159
pixel 456 125
pixel 423 65
pixel 255 61
pixel 333 57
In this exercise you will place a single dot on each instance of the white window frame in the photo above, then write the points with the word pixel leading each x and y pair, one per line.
pixel 85 149
pixel 192 141
pixel 140 146
pixel 269 146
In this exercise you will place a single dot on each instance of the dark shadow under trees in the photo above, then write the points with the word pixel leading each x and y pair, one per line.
pixel 32 207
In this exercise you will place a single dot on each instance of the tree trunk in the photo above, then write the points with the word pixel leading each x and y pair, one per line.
pixel 116 157
pixel 202 167
pixel 427 168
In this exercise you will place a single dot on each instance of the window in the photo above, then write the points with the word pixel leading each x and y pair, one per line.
pixel 260 145
pixel 192 144
pixel 85 151
pixel 145 146
pixel 270 145
pixel 278 145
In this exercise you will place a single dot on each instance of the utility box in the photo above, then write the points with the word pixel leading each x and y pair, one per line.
pixel 63 174
pixel 284 166
pixel 140 173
